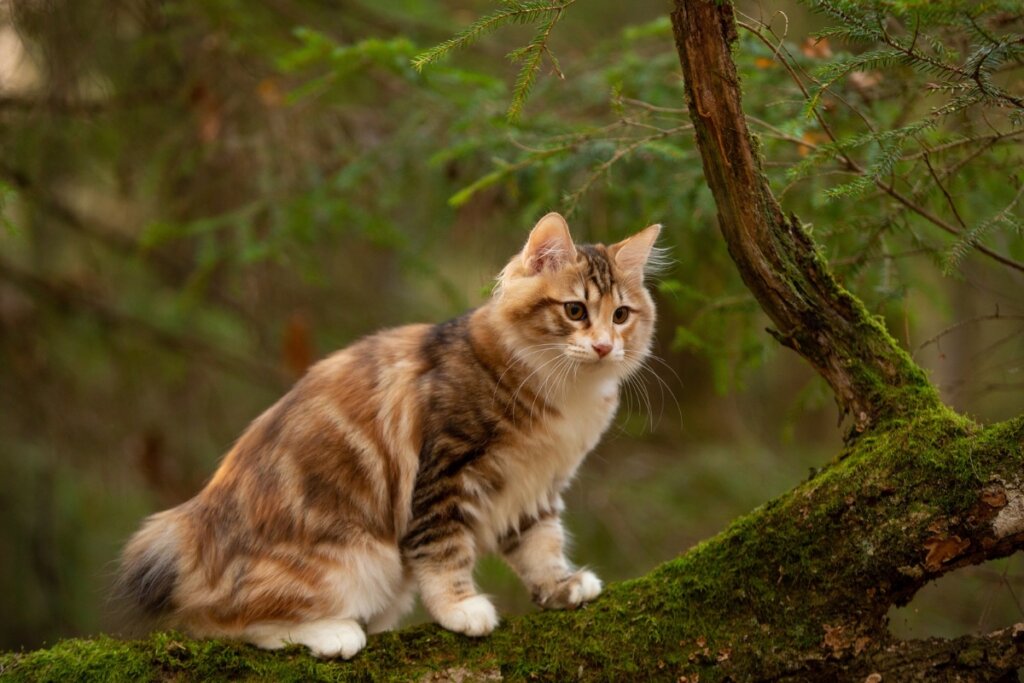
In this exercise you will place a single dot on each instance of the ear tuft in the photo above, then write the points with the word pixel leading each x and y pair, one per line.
pixel 550 246
pixel 633 255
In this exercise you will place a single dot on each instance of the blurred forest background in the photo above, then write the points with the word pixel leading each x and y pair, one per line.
pixel 198 198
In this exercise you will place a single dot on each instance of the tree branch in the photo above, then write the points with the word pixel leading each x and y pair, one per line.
pixel 887 188
pixel 870 375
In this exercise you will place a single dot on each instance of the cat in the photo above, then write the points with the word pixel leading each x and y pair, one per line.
pixel 394 463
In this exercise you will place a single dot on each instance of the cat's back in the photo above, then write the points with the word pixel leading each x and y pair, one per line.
pixel 345 438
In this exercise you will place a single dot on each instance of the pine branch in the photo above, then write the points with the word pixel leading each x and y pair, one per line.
pixel 971 237
pixel 531 56
pixel 838 149
pixel 513 13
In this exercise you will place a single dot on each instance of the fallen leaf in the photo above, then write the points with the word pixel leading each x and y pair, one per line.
pixel 994 497
pixel 834 638
pixel 943 549
pixel 812 138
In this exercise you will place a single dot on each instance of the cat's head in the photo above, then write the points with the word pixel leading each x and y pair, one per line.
pixel 582 303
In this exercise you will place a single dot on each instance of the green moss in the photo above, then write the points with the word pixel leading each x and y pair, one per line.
pixel 834 551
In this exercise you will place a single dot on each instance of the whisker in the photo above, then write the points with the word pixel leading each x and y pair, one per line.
pixel 523 383
pixel 517 360
pixel 644 366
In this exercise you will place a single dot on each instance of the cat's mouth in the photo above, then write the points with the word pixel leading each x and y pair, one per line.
pixel 593 358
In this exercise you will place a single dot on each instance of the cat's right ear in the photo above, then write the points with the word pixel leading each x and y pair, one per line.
pixel 550 246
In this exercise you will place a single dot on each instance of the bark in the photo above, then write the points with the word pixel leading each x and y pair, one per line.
pixel 872 378
pixel 798 589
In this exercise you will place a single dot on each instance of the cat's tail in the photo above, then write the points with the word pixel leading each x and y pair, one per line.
pixel 149 569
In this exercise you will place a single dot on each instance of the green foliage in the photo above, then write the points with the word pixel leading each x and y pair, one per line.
pixel 530 56
pixel 342 62
pixel 922 88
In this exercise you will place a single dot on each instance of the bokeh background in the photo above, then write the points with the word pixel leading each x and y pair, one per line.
pixel 200 198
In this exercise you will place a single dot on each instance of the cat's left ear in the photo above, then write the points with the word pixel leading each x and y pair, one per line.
pixel 632 254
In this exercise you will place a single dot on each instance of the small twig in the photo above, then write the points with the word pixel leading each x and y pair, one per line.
pixel 653 107
pixel 945 192
pixel 573 199
pixel 963 323
pixel 882 185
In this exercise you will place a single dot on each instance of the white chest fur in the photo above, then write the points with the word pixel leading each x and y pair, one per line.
pixel 542 462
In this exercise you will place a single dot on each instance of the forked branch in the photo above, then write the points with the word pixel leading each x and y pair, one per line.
pixel 872 378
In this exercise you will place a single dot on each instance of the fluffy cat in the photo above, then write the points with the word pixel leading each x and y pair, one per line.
pixel 397 461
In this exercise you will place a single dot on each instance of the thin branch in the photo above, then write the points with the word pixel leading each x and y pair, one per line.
pixel 975 75
pixel 882 185
pixel 963 323
pixel 573 199
pixel 945 192
pixel 653 107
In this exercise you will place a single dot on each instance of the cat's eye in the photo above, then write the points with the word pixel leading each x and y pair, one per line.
pixel 575 310
pixel 620 315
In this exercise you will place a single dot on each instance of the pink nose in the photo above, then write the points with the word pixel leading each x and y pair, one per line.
pixel 602 349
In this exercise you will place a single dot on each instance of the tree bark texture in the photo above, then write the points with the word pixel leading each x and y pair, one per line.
pixel 872 378
pixel 797 590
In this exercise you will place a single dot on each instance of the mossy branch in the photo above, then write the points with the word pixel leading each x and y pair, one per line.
pixel 872 378
pixel 797 590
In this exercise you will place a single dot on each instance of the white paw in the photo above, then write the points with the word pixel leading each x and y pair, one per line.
pixel 473 616
pixel 585 588
pixel 330 637
pixel 569 592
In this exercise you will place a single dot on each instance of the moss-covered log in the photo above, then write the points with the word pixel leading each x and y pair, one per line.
pixel 796 590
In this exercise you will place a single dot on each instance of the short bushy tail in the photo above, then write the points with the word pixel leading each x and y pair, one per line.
pixel 149 566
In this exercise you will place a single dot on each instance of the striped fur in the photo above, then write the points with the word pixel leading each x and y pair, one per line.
pixel 396 462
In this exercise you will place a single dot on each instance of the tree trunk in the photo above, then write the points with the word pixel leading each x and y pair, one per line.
pixel 796 590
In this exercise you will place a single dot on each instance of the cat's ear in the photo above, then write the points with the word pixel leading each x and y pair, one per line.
pixel 633 255
pixel 549 247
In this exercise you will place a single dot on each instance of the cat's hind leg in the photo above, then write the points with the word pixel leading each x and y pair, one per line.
pixel 324 637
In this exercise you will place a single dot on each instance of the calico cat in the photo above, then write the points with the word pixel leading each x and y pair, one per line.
pixel 395 462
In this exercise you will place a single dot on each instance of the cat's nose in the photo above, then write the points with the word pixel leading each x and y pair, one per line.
pixel 602 349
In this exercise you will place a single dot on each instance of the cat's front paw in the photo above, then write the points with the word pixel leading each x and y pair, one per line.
pixel 473 616
pixel 570 592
